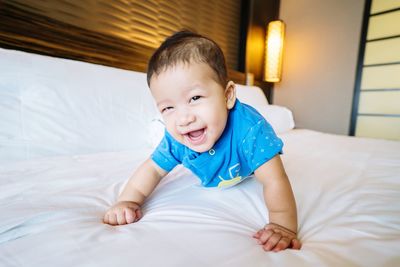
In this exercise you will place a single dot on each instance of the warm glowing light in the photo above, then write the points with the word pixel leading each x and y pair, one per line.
pixel 274 51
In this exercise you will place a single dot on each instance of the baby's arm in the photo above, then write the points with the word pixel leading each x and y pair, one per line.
pixel 141 184
pixel 281 232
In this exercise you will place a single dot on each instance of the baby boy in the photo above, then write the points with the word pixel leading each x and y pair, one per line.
pixel 221 140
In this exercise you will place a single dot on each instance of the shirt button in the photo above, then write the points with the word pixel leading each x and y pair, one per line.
pixel 211 152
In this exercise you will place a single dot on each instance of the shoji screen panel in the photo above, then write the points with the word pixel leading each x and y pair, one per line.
pixel 383 51
pixel 381 77
pixel 379 127
pixel 378 93
pixel 383 5
pixel 383 25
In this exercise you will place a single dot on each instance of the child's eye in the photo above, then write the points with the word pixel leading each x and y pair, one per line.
pixel 197 97
pixel 166 109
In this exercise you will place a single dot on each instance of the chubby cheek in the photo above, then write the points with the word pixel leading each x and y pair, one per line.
pixel 216 129
pixel 217 121
pixel 171 128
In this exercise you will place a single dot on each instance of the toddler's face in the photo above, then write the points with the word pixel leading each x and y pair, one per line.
pixel 193 105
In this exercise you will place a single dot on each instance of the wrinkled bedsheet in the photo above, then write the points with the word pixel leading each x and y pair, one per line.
pixel 347 191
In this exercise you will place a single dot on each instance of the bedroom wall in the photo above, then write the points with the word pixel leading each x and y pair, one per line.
pixel 319 65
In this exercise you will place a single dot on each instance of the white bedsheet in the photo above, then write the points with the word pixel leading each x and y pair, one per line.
pixel 347 191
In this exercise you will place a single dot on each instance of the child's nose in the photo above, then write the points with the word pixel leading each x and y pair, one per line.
pixel 185 118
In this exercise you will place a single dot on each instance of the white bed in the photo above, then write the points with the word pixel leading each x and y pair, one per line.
pixel 71 133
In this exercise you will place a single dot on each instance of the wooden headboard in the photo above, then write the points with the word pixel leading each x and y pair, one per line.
pixel 24 28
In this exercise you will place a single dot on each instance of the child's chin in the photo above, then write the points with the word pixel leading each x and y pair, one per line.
pixel 200 149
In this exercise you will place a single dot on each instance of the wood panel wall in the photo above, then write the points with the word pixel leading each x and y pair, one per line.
pixel 120 34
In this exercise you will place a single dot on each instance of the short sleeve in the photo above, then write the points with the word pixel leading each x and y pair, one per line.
pixel 260 145
pixel 168 153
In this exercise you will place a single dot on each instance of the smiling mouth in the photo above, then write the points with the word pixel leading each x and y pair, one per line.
pixel 197 137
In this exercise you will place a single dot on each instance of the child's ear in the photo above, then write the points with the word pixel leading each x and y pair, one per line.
pixel 230 94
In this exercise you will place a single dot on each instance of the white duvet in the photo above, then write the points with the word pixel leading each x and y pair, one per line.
pixel 347 192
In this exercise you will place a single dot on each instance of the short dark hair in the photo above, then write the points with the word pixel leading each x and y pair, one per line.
pixel 186 47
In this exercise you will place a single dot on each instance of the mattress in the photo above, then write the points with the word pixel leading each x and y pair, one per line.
pixel 347 191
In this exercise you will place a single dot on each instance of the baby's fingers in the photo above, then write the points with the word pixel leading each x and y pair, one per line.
pixel 282 244
pixel 264 236
pixel 138 213
pixel 258 234
pixel 120 217
pixel 295 244
pixel 110 218
pixel 105 218
pixel 130 215
pixel 272 241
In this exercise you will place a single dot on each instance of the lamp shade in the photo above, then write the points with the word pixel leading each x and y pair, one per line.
pixel 274 51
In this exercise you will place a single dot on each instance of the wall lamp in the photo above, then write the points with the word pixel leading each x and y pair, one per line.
pixel 273 51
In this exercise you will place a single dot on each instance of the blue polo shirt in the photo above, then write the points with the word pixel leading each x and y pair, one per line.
pixel 247 142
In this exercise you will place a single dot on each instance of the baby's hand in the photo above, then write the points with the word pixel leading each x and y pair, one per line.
pixel 122 212
pixel 276 238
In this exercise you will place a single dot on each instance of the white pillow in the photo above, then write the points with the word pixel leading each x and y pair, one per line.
pixel 53 106
pixel 157 130
pixel 251 95
pixel 280 118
